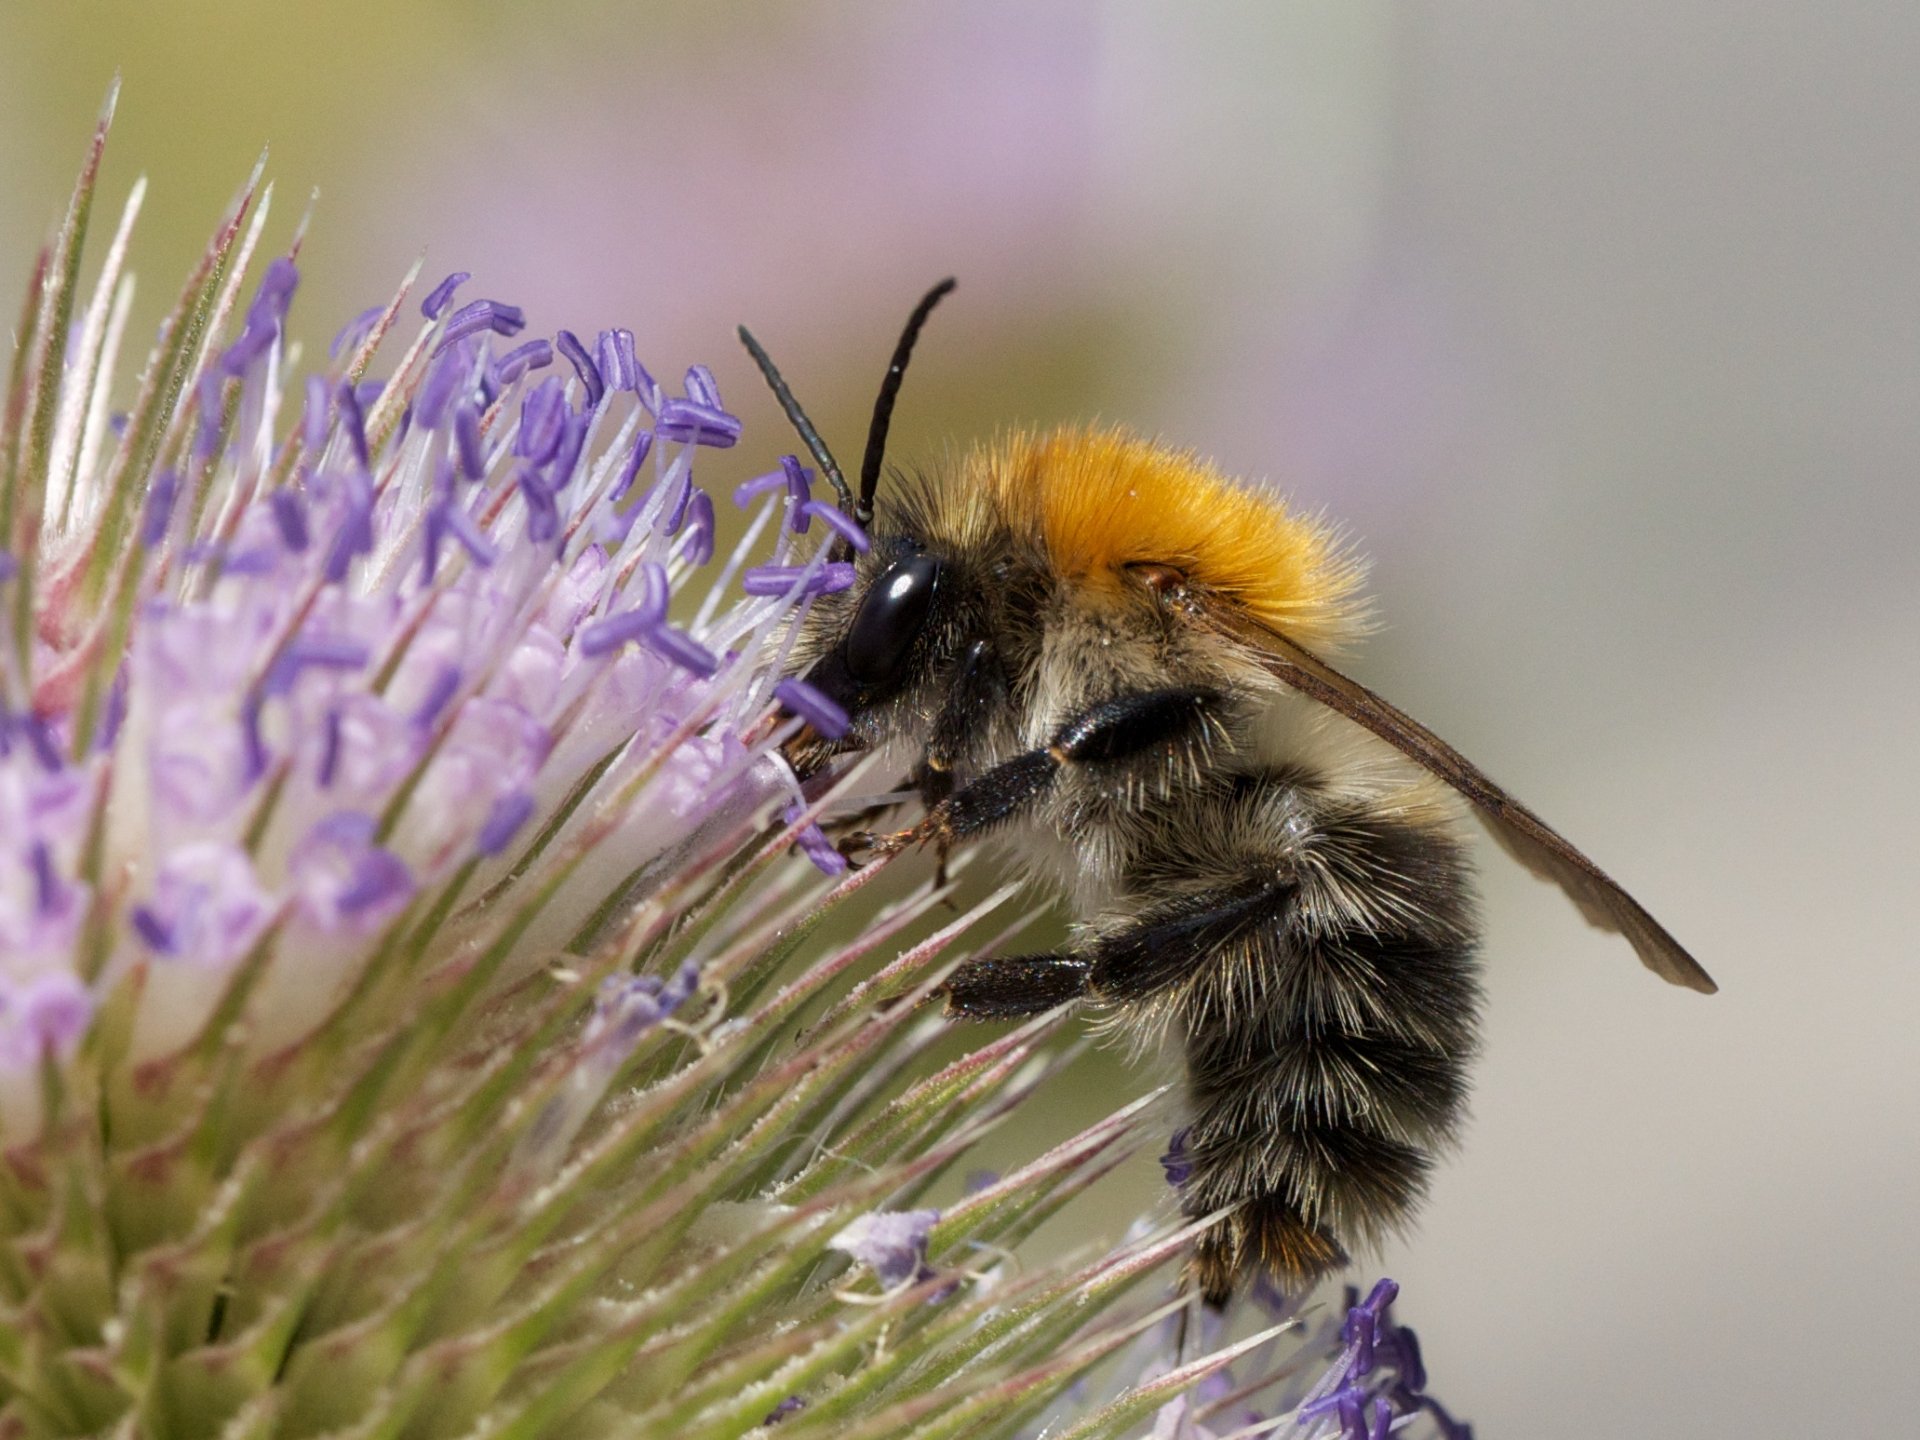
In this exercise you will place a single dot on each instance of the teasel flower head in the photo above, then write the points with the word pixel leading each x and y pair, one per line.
pixel 417 1011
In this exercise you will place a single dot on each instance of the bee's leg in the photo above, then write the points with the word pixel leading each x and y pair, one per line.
pixel 1015 986
pixel 1158 950
pixel 854 820
pixel 933 778
pixel 1118 729
pixel 977 693
pixel 1161 947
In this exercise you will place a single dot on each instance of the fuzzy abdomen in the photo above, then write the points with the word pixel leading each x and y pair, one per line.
pixel 1328 1010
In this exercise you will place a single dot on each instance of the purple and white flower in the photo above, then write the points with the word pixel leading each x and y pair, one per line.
pixel 366 661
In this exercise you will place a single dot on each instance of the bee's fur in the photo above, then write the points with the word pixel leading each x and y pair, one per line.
pixel 1284 896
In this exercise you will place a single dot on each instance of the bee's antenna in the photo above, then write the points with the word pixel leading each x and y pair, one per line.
pixel 862 511
pixel 883 405
pixel 797 417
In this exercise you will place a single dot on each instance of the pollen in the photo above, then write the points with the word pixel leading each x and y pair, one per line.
pixel 1107 502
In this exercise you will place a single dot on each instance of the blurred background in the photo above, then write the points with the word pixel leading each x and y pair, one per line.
pixel 1600 327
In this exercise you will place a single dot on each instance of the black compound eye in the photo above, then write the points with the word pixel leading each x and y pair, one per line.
pixel 890 619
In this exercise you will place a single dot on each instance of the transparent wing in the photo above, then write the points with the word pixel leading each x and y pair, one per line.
pixel 1521 833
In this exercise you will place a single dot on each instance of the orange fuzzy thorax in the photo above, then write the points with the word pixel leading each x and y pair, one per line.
pixel 1105 499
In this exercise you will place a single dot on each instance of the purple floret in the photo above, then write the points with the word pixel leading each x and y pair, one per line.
pixel 314 652
pixel 813 707
pixel 573 436
pixel 642 447
pixel 689 422
pixel 543 515
pixel 355 535
pixel 438 297
pixel 799 489
pixel 355 331
pixel 619 366
pixel 344 876
pixel 446 377
pixel 534 355
pixel 604 636
pixel 503 822
pixel 700 523
pixel 703 388
pixel 448 519
pixel 1176 1163
pixel 355 423
pixel 780 579
pixel 682 497
pixel 160 497
pixel 446 683
pixel 747 491
pixel 290 518
pixel 891 1243
pixel 583 366
pixel 265 317
pixel 478 316
pixel 466 435
pixel 839 522
pixel 542 414
pixel 683 650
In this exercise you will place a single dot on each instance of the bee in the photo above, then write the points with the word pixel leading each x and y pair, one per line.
pixel 1116 660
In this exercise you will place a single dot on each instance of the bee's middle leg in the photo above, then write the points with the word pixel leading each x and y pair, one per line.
pixel 1003 989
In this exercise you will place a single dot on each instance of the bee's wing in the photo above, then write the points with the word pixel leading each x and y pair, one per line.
pixel 1521 833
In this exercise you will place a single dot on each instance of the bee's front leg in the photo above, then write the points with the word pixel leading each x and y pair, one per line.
pixel 1115 730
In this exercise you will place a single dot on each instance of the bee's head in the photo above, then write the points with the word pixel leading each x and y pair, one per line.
pixel 862 647
pixel 873 649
